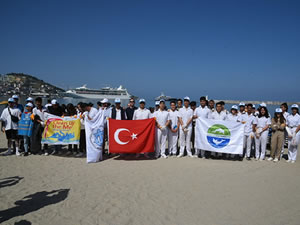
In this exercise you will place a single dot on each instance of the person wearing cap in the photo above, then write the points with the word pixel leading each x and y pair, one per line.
pixel 247 119
pixel 142 113
pixel 201 112
pixel 278 127
pixel 218 114
pixel 261 125
pixel 162 122
pixel 293 124
pixel 118 113
pixel 9 118
pixel 173 129
pixel 25 126
pixel 284 107
pixel 185 131
pixel 157 105
pixel 254 110
pixel 130 109
pixel 19 106
pixel 242 106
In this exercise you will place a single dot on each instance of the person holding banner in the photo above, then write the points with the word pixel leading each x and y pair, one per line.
pixel 233 116
pixel 117 113
pixel 173 129
pixel 247 119
pixel 185 133
pixel 162 122
pixel 201 112
pixel 278 128
pixel 284 107
pixel 261 124
pixel 293 127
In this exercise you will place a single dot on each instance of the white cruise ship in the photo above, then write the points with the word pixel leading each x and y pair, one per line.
pixel 98 94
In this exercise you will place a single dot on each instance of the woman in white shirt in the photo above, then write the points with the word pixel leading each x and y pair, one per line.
pixel 261 123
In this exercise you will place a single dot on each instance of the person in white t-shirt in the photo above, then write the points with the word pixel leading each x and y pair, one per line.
pixel 9 125
pixel 261 124
pixel 162 122
pixel 185 133
pixel 201 112
pixel 284 107
pixel 293 123
pixel 173 129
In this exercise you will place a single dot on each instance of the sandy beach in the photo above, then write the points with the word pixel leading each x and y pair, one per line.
pixel 66 190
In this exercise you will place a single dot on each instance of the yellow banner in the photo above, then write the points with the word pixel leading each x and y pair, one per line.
pixel 61 131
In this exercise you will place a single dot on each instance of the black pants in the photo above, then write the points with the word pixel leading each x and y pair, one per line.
pixel 82 141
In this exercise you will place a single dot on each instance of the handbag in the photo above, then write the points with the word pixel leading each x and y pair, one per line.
pixel 15 119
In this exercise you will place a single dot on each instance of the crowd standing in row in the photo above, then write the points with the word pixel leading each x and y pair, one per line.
pixel 24 127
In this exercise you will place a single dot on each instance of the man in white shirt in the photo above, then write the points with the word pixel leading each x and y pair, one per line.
pixel 118 113
pixel 185 133
pixel 201 112
pixel 173 129
pixel 141 114
pixel 247 119
pixel 162 122
pixel 10 125
pixel 242 106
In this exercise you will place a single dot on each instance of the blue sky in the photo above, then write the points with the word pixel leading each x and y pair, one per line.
pixel 244 49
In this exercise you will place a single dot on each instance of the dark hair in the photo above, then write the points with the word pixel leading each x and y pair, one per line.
pixel 172 102
pixel 222 102
pixel 249 104
pixel 49 100
pixel 83 105
pixel 99 103
pixel 285 105
pixel 79 103
pixel 193 103
pixel 218 103
pixel 203 98
pixel 212 101
pixel 179 100
pixel 39 99
pixel 266 114
pixel 71 109
pixel 90 104
pixel 282 120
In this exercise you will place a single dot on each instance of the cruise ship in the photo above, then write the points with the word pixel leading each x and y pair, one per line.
pixel 98 94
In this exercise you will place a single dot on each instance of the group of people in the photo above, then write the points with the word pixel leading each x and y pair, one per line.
pixel 24 126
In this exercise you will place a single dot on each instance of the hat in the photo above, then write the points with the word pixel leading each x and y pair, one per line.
pixel 234 107
pixel 29 104
pixel 295 106
pixel 117 100
pixel 142 100
pixel 162 100
pixel 29 99
pixel 11 100
pixel 242 104
pixel 278 110
pixel 15 97
pixel 263 104
pixel 186 98
pixel 157 102
pixel 54 102
pixel 105 100
pixel 253 106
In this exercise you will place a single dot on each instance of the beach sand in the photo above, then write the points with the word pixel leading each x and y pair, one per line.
pixel 65 190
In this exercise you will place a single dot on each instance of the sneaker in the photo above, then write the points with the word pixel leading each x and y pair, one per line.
pixel 68 153
pixel 256 159
pixel 275 160
pixel 59 153
pixel 8 152
pixel 271 159
pixel 248 158
pixel 288 161
pixel 164 156
pixel 261 160
pixel 191 156
pixel 46 153
pixel 195 156
pixel 293 161
pixel 180 155
pixel 80 154
pixel 53 153
pixel 18 153
pixel 26 154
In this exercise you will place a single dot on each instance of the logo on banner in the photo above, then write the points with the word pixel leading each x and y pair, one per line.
pixel 218 136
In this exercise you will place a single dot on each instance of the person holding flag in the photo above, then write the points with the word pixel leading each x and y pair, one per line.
pixel 173 129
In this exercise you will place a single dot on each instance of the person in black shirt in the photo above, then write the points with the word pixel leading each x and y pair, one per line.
pixel 130 110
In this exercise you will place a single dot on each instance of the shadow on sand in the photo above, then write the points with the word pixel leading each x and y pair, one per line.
pixel 33 203
pixel 10 181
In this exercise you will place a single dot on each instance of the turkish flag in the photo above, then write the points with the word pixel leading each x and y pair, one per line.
pixel 131 136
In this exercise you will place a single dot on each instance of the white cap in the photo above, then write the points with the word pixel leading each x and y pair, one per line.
pixel 117 100
pixel 162 100
pixel 15 97
pixel 295 106
pixel 253 106
pixel 242 104
pixel 54 102
pixel 186 98
pixel 142 100
pixel 105 100
pixel 263 104
pixel 278 110
pixel 234 107
pixel 157 102
pixel 29 99
pixel 29 104
pixel 11 100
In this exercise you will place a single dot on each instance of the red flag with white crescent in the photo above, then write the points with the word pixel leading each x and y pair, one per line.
pixel 131 136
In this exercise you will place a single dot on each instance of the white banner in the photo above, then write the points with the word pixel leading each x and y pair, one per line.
pixel 219 136
pixel 94 132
